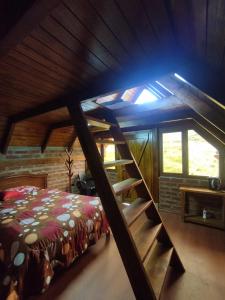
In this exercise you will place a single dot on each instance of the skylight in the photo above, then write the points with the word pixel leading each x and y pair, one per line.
pixel 145 97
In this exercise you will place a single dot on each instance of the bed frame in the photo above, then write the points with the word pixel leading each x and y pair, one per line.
pixel 38 180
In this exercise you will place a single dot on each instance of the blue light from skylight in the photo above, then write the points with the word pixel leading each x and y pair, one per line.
pixel 145 97
pixel 180 78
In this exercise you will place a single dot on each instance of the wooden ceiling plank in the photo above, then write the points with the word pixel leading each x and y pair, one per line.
pixel 137 19
pixel 13 69
pixel 29 20
pixel 62 73
pixel 52 56
pixel 7 136
pixel 115 22
pixel 64 16
pixel 89 18
pixel 39 71
pixel 83 66
pixel 60 33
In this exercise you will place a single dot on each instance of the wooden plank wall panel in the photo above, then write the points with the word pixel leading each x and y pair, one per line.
pixel 61 137
pixel 28 134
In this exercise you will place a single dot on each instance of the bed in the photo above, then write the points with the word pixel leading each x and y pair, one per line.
pixel 42 229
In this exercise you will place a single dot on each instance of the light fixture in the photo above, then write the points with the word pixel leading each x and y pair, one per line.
pixel 145 97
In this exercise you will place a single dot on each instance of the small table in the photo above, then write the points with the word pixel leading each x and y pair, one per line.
pixel 187 217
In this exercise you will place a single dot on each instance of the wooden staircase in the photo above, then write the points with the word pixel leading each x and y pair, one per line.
pixel 142 240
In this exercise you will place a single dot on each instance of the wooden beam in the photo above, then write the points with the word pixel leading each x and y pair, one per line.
pixel 72 140
pixel 110 82
pixel 220 135
pixel 201 103
pixel 8 132
pixel 46 139
pixel 16 30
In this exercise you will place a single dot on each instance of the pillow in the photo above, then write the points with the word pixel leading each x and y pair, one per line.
pixel 26 189
pixel 10 195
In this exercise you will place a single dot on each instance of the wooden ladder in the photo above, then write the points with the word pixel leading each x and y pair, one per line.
pixel 142 240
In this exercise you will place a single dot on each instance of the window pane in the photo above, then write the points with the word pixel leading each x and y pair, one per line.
pixel 109 153
pixel 172 152
pixel 203 158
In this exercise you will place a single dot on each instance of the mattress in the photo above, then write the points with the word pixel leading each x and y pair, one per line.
pixel 41 232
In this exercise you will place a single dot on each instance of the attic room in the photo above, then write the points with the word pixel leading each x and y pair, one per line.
pixel 112 149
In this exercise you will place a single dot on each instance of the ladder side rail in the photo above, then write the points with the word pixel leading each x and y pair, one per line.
pixel 126 246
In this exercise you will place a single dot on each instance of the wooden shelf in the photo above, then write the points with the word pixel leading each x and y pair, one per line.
pixel 126 185
pixel 119 162
pixel 208 222
pixel 132 212
pixel 156 265
pixel 188 216
pixel 145 235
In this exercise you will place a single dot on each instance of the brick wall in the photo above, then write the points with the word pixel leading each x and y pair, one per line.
pixel 169 195
pixel 19 160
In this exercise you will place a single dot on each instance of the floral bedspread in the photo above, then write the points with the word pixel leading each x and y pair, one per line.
pixel 40 232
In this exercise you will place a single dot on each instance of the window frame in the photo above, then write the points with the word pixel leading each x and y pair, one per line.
pixel 185 157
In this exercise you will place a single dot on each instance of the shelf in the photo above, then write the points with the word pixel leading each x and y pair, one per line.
pixel 156 265
pixel 207 222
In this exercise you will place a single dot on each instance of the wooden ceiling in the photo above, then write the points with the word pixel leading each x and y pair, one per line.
pixel 54 50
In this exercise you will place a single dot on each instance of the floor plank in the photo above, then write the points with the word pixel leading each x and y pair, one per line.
pixel 99 274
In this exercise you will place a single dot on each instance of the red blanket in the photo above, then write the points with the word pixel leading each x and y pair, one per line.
pixel 38 233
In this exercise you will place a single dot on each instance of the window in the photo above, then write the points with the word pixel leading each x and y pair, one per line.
pixel 145 97
pixel 203 158
pixel 172 152
pixel 187 153
pixel 109 153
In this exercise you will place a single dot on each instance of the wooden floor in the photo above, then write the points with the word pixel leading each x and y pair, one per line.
pixel 99 274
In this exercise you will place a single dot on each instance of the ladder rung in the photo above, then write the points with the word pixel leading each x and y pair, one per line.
pixel 133 211
pixel 99 123
pixel 119 162
pixel 109 142
pixel 144 236
pixel 156 265
pixel 126 185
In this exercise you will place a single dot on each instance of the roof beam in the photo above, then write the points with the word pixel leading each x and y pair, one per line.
pixel 201 103
pixel 105 84
pixel 7 136
pixel 46 139
pixel 72 140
